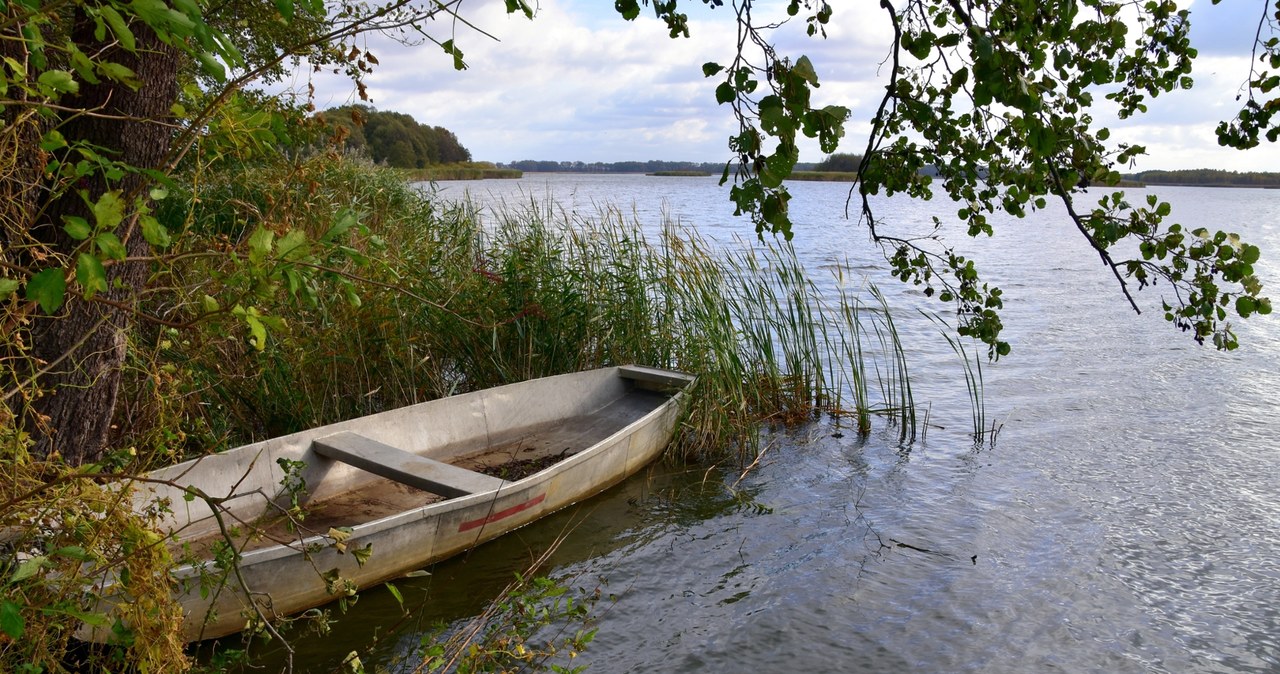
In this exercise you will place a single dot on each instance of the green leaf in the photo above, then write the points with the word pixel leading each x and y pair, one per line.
pixel 778 167
pixel 362 555
pixel 451 49
pixel 773 118
pixel 920 46
pixel 72 552
pixel 293 245
pixel 345 220
pixel 725 93
pixel 118 26
pixel 209 304
pixel 77 227
pixel 48 289
pixel 285 7
pixel 52 140
pixel 804 70
pixel 82 64
pixel 521 6
pixel 59 81
pixel 7 287
pixel 110 245
pixel 274 323
pixel 211 66
pixel 163 20
pixel 710 68
pixel 353 297
pixel 121 74
pixel 91 275
pixel 154 232
pixel 188 7
pixel 90 619
pixel 109 210
pixel 159 193
pixel 35 42
pixel 28 569
pixel 260 243
pixel 395 593
pixel 11 621
pixel 629 9
pixel 257 331
pixel 1245 306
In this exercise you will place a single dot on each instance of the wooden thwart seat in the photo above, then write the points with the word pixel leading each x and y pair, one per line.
pixel 386 461
pixel 653 375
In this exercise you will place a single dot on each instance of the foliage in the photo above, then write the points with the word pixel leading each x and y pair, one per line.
pixel 997 98
pixel 66 538
pixel 393 138
pixel 1257 119
pixel 105 105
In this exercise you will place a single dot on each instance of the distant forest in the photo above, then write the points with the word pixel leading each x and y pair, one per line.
pixel 395 138
pixel 849 163
pixel 1207 178
pixel 652 166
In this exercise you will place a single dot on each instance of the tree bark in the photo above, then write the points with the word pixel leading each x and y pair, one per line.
pixel 88 339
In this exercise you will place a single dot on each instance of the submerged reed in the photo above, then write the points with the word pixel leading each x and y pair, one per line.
pixel 973 381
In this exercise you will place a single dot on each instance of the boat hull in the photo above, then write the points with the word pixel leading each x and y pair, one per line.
pixel 629 424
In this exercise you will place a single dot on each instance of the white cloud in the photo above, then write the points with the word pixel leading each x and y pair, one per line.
pixel 579 83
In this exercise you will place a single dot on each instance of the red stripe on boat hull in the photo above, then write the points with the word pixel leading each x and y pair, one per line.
pixel 502 514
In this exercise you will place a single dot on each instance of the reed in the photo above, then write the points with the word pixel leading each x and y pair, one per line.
pixel 452 297
pixel 973 380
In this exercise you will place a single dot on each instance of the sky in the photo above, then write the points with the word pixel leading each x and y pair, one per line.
pixel 579 83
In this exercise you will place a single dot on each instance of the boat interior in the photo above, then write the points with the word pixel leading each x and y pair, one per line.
pixel 408 481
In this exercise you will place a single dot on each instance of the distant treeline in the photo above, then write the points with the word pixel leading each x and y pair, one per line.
pixel 652 166
pixel 840 162
pixel 843 166
pixel 394 138
pixel 1207 178
pixel 835 162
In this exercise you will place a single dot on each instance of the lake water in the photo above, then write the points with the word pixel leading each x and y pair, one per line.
pixel 1126 519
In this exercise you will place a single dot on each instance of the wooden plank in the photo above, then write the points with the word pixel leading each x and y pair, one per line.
pixel 396 464
pixel 655 376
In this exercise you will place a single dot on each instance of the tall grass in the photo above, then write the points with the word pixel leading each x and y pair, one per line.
pixel 973 381
pixel 457 298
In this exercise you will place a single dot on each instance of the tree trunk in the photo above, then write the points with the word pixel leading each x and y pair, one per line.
pixel 88 339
